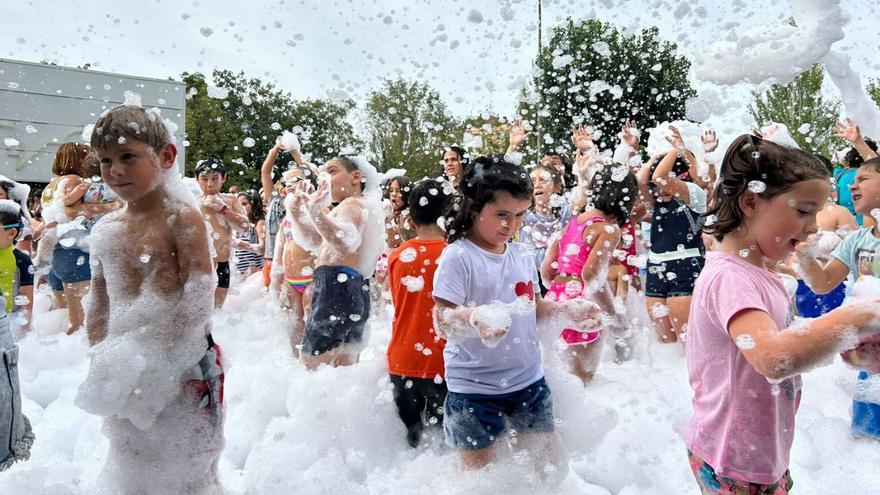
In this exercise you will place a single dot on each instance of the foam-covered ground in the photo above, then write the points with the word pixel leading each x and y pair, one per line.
pixel 336 430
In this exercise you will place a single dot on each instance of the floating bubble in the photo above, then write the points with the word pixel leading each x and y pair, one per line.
pixel 145 258
pixel 745 342
pixel 342 278
pixel 408 255
pixel 757 186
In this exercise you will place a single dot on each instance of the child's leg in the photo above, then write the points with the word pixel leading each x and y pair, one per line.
pixel 297 320
pixel 223 279
pixel 475 459
pixel 584 359
pixel 410 404
pixel 73 294
pixel 435 396
pixel 679 309
pixel 659 313
pixel 549 454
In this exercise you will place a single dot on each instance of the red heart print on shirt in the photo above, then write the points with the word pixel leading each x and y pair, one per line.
pixel 525 289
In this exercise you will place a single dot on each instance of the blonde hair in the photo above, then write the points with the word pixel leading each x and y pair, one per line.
pixel 130 122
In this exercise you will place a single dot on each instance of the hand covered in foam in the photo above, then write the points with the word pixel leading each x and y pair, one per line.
pixel 492 322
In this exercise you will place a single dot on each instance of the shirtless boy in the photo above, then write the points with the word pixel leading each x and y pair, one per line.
pixel 342 240
pixel 224 214
pixel 148 319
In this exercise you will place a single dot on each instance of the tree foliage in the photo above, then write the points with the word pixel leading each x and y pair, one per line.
pixel 592 73
pixel 408 126
pixel 797 103
pixel 237 120
pixel 874 91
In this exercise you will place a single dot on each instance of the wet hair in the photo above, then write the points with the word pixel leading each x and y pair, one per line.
pixel 854 159
pixel 69 159
pixel 613 191
pixel 91 165
pixel 556 177
pixel 427 202
pixel 568 177
pixel 256 201
pixel 481 180
pixel 350 166
pixel 750 158
pixel 9 217
pixel 461 152
pixel 403 183
pixel 131 122
pixel 211 164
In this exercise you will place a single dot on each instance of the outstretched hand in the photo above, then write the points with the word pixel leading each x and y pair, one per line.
pixel 848 130
pixel 582 138
pixel 710 141
pixel 630 134
pixel 517 134
pixel 675 139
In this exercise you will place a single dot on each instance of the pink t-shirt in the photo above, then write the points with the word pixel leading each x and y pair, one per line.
pixel 742 425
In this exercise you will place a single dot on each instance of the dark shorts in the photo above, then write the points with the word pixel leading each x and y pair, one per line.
pixel 223 274
pixel 674 278
pixel 69 266
pixel 340 308
pixel 475 421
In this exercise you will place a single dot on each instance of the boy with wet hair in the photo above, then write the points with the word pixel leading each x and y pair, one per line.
pixel 155 374
pixel 16 268
pixel 347 241
pixel 224 215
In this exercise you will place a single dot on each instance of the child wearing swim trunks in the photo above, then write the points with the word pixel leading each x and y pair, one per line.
pixel 155 374
pixel 346 241
pixel 224 214
pixel 415 353
pixel 488 307
pixel 294 265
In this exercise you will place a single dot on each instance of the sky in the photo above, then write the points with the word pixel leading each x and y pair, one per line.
pixel 475 54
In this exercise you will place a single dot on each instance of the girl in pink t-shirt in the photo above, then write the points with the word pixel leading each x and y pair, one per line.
pixel 743 354
pixel 578 263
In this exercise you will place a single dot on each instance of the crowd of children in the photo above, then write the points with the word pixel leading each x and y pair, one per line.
pixel 477 263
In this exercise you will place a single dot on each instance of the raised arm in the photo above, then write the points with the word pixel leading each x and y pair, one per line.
pixel 848 130
pixel 666 182
pixel 266 171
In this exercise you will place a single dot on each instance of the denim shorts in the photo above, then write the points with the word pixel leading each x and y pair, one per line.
pixel 69 266
pixel 475 421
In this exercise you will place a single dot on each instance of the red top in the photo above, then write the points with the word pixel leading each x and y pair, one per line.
pixel 415 350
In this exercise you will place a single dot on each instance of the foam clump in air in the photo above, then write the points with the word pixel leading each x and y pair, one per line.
pixel 865 355
pixel 777 52
pixel 289 141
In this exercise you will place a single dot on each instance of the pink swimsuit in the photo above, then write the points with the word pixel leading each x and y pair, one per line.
pixel 570 258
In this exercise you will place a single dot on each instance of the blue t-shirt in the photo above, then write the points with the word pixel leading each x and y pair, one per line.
pixel 857 252
pixel 470 276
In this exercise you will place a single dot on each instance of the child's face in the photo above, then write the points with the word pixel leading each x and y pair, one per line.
pixel 866 190
pixel 395 195
pixel 343 183
pixel 778 224
pixel 7 238
pixel 499 220
pixel 211 182
pixel 132 169
pixel 451 164
pixel 246 205
pixel 544 188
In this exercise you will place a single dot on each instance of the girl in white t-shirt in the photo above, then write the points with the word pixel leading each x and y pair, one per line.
pixel 743 354
pixel 489 307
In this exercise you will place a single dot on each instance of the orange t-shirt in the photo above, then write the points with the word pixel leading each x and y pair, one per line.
pixel 415 350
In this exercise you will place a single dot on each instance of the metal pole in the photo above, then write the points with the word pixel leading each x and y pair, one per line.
pixel 540 96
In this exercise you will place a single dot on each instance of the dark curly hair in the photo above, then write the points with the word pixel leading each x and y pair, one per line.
pixel 614 195
pixel 480 181
pixel 750 158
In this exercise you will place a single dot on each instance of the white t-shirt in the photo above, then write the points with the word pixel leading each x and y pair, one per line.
pixel 470 276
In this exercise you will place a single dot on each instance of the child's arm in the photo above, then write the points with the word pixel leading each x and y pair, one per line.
pixel 344 229
pixel 779 354
pixel 550 265
pixel 595 270
pixel 305 233
pixel 98 305
pixel 849 131
pixel 74 188
pixel 668 184
pixel 276 274
pixel 487 321
pixel 820 279
pixel 234 213
pixel 266 171
pixel 644 176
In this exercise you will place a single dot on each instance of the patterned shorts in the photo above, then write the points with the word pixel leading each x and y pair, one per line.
pixel 712 484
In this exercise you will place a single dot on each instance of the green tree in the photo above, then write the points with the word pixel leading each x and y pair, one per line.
pixel 237 120
pixel 874 91
pixel 797 103
pixel 592 73
pixel 408 125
